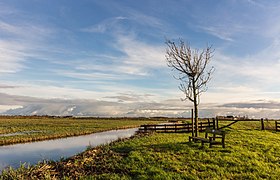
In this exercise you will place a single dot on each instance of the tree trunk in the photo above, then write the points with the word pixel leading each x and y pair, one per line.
pixel 195 104
pixel 196 117
pixel 192 124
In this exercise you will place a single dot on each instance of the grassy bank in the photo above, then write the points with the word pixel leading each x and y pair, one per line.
pixel 249 154
pixel 18 130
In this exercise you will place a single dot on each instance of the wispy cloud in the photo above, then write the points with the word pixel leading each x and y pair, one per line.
pixel 26 31
pixel 137 18
pixel 6 10
pixel 221 32
pixel 274 4
pixel 137 59
pixel 130 97
pixel 20 43
pixel 11 56
pixel 239 21
pixel 105 25
pixel 141 54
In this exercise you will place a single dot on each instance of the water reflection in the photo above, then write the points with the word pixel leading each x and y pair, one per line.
pixel 31 153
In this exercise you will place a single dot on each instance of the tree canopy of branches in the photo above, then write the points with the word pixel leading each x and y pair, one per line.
pixel 193 72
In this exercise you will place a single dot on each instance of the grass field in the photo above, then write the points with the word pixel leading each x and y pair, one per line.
pixel 249 154
pixel 20 129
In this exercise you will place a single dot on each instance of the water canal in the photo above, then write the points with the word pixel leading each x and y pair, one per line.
pixel 32 153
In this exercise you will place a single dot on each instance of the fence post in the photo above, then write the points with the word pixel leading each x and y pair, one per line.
pixel 217 123
pixel 262 124
pixel 214 125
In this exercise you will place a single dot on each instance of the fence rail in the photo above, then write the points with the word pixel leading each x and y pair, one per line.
pixel 178 128
pixel 277 125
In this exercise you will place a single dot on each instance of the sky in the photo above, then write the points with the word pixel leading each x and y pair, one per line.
pixel 107 58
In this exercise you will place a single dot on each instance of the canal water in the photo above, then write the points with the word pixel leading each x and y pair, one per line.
pixel 32 153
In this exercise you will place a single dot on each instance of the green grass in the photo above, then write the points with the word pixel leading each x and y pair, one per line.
pixel 52 128
pixel 249 154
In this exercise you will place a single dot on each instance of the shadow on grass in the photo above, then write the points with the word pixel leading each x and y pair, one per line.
pixel 167 146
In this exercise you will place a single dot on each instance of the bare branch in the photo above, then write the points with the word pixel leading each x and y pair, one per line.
pixel 191 65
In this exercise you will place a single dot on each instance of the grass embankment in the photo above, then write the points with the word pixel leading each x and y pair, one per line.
pixel 249 154
pixel 39 128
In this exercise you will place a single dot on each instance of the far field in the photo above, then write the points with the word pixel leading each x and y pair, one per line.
pixel 250 153
pixel 26 129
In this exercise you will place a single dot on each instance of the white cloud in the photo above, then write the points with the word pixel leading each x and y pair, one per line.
pixel 137 59
pixel 30 106
pixel 141 54
pixel 246 78
pixel 52 92
pixel 101 91
pixel 25 31
pixel 94 76
pixel 4 108
pixel 19 43
pixel 11 56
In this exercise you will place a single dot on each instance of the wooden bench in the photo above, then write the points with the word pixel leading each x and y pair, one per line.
pixel 212 140
pixel 216 134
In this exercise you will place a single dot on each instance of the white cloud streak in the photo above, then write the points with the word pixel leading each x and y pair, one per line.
pixel 106 25
pixel 19 44
pixel 140 54
pixel 137 59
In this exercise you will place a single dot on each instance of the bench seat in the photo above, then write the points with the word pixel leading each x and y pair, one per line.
pixel 217 134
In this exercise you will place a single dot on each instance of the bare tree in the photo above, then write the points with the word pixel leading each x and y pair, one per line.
pixel 193 72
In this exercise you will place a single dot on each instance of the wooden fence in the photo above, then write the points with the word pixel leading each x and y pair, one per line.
pixel 177 128
pixel 265 124
pixel 277 125
pixel 233 121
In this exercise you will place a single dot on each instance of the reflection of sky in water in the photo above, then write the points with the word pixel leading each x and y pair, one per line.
pixel 13 155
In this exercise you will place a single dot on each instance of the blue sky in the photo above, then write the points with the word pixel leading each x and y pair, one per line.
pixel 107 58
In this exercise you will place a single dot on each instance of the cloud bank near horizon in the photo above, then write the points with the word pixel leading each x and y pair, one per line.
pixel 128 106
